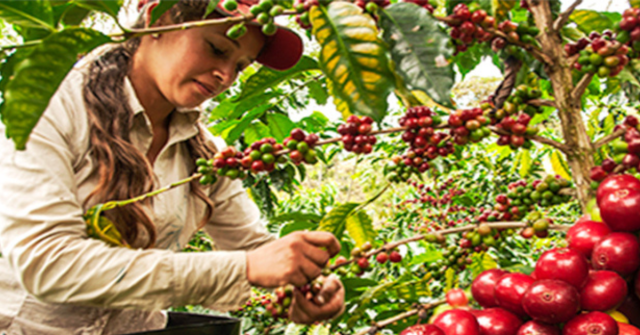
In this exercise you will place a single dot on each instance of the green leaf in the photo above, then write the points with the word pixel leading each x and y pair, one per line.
pixel 296 226
pixel 335 221
pixel 296 216
pixel 160 9
pixel 360 228
pixel 609 124
pixel 314 123
pixel 634 3
pixel 481 262
pixel 246 120
pixel 36 78
pixel 353 287
pixel 468 60
pixel 591 20
pixel 593 122
pixel 559 165
pixel 213 4
pixel 255 132
pixel 572 33
pixel 353 58
pixel 318 92
pixel 279 125
pixel 294 329
pixel 267 78
pixel 318 329
pixel 525 163
pixel 110 7
pixel 450 279
pixel 500 9
pixel 413 290
pixel 430 255
pixel 69 14
pixel 419 50
pixel 32 14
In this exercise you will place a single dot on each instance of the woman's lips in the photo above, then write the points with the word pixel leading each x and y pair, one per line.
pixel 205 90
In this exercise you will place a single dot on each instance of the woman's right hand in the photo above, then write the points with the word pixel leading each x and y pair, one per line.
pixel 294 259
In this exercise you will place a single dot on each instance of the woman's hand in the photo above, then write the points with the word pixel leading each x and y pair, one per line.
pixel 295 259
pixel 326 304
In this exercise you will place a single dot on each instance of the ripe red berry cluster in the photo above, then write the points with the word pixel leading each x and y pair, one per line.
pixel 468 125
pixel 301 146
pixel 423 3
pixel 425 143
pixel 577 285
pixel 355 134
pixel 468 27
pixel 259 156
pixel 361 264
pixel 625 150
pixel 227 163
pixel 603 56
pixel 629 33
pixel 517 129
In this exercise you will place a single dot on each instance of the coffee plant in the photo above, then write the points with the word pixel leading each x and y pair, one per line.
pixel 517 214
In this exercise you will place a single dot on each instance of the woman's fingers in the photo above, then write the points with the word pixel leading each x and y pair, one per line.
pixel 323 239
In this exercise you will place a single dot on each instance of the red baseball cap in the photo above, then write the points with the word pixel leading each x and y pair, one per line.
pixel 281 51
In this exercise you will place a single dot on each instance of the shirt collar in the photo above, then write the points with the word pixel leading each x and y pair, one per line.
pixel 183 123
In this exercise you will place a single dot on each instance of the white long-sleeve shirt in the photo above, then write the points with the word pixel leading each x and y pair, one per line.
pixel 56 280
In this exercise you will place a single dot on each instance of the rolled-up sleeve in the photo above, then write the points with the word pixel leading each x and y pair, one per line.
pixel 43 236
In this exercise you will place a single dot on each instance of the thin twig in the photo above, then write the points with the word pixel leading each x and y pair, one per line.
pixel 381 324
pixel 455 230
pixel 542 102
pixel 582 86
pixel 560 146
pixel 23 45
pixel 564 17
pixel 131 33
pixel 609 137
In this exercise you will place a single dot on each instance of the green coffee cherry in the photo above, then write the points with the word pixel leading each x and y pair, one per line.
pixel 230 5
pixel 276 10
pixel 263 18
pixel 237 31
pixel 269 29
pixel 255 10
pixel 265 5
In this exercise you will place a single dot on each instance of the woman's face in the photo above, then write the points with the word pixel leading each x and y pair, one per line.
pixel 193 65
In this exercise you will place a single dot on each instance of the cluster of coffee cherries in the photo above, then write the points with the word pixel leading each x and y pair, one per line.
pixel 629 33
pixel 371 5
pixel 469 27
pixel 302 8
pixel 361 264
pixel 468 125
pixel 625 150
pixel 260 156
pixel 356 135
pixel 225 163
pixel 517 130
pixel 420 122
pixel 518 102
pixel 453 257
pixel 264 13
pixel 522 196
pixel 301 146
pixel 483 235
pixel 401 170
pixel 423 3
pixel 603 56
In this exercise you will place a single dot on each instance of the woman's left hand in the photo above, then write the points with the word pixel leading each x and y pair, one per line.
pixel 327 304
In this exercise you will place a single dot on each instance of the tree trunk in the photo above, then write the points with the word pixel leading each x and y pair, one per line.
pixel 580 156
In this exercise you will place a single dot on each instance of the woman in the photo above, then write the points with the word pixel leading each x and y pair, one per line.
pixel 124 122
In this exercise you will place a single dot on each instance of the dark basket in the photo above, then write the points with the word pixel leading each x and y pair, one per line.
pixel 197 324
